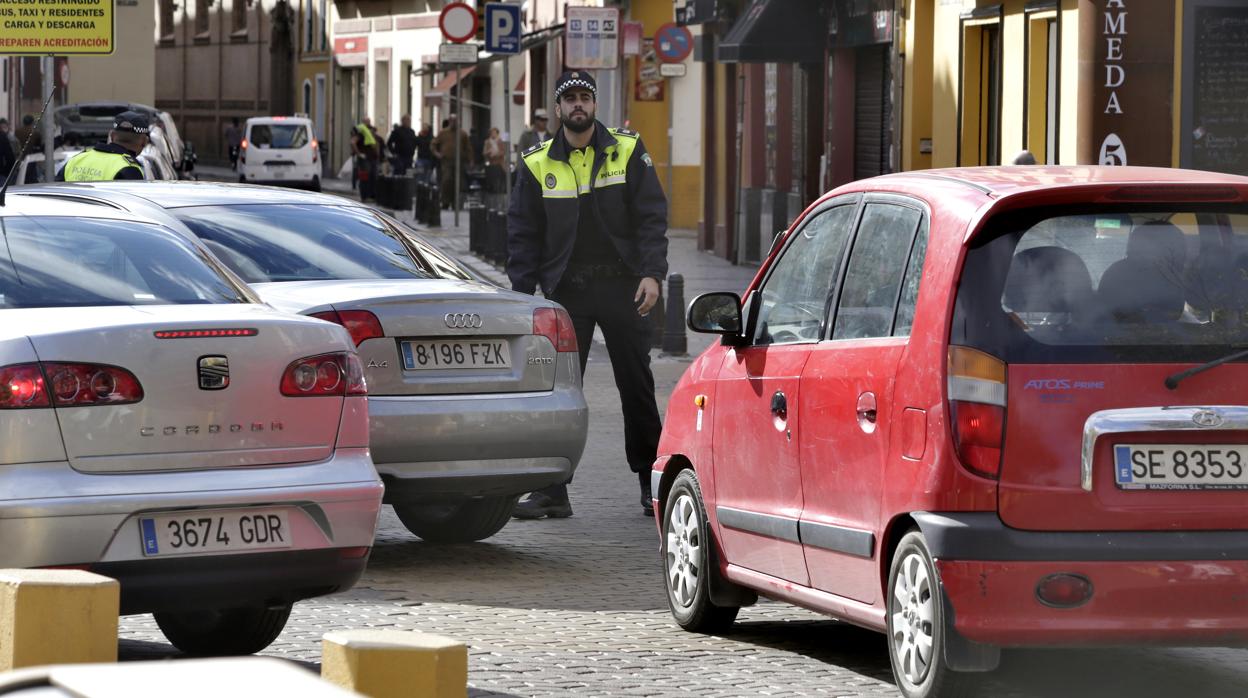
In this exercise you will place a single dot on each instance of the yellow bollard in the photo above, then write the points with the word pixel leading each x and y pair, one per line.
pixel 395 663
pixel 57 617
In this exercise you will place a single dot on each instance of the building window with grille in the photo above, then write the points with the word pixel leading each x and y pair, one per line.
pixel 979 103
pixel 1042 81
pixel 309 27
pixel 322 23
pixel 238 15
pixel 202 18
pixel 167 8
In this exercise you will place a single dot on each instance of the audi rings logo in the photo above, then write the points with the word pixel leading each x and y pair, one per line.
pixel 463 321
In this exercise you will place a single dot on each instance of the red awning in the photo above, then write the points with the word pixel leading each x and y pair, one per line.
pixel 518 92
pixel 444 86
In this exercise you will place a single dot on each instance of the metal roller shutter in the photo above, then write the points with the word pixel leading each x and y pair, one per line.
pixel 872 112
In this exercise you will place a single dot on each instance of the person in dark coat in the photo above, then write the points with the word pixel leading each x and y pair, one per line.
pixel 402 144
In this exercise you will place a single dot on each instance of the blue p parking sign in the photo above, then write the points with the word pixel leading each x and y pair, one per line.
pixel 502 28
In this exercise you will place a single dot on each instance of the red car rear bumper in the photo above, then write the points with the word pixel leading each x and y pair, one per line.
pixel 1132 603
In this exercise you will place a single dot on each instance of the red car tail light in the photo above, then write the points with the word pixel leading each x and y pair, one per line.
pixel 977 408
pixel 556 325
pixel 21 387
pixel 360 324
pixel 78 385
pixel 327 374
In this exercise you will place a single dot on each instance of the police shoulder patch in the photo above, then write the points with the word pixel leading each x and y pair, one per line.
pixel 625 132
pixel 645 157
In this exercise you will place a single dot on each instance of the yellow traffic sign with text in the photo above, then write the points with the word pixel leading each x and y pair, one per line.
pixel 56 27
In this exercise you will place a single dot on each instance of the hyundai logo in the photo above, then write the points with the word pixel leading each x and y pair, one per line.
pixel 1207 418
pixel 463 321
pixel 214 372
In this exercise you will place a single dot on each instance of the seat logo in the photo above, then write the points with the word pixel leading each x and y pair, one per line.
pixel 1207 418
pixel 462 321
pixel 214 372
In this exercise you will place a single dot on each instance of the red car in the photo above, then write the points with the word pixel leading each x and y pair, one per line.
pixel 974 409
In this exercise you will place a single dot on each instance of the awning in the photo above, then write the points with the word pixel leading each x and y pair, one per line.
pixel 776 31
pixel 452 78
pixel 517 92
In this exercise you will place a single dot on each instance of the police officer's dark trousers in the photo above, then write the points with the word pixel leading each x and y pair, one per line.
pixel 606 300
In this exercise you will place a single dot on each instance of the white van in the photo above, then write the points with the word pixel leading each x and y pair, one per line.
pixel 280 150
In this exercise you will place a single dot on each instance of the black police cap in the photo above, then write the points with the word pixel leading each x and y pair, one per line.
pixel 573 79
pixel 131 122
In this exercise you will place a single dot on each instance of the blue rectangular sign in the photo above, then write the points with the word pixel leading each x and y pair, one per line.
pixel 502 28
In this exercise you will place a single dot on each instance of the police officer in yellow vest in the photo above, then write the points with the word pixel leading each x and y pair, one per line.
pixel 588 224
pixel 365 148
pixel 117 159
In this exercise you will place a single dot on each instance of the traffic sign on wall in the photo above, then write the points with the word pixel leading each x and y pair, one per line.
pixel 56 27
pixel 673 43
pixel 592 38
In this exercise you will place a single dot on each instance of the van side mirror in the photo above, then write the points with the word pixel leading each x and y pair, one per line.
pixel 716 313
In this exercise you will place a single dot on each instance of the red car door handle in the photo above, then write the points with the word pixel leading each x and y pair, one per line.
pixel 779 405
pixel 866 408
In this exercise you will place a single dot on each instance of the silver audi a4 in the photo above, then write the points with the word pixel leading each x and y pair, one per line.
pixel 474 391
pixel 161 426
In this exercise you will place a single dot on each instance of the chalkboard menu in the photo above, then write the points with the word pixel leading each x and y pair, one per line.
pixel 1219 89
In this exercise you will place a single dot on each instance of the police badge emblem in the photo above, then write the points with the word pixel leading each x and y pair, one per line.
pixel 550 181
pixel 645 157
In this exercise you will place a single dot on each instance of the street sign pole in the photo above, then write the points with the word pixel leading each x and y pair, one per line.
pixel 49 158
pixel 458 108
pixel 507 125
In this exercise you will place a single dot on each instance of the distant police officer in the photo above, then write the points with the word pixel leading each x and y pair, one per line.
pixel 588 224
pixel 116 160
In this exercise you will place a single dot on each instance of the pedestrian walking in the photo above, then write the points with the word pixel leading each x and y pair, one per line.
pixel 494 152
pixel 402 144
pixel 537 133
pixel 234 141
pixel 365 149
pixel 587 224
pixel 118 159
pixel 426 163
pixel 451 139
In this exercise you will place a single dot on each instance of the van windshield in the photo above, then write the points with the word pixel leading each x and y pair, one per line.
pixel 278 135
pixel 1107 285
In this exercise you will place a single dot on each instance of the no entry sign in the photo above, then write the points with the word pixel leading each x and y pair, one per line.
pixel 673 43
pixel 458 22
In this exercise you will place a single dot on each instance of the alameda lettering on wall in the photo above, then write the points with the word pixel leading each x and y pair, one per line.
pixel 1133 93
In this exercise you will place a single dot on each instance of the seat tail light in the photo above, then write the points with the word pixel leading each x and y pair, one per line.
pixel 555 325
pixel 977 409
pixel 360 324
pixel 77 385
pixel 22 387
pixel 335 374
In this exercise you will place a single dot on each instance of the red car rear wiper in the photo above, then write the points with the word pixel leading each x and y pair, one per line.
pixel 1172 382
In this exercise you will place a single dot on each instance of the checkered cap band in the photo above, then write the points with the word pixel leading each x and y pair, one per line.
pixel 131 122
pixel 570 83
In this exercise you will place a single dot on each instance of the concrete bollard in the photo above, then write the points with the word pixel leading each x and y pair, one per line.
pixel 674 341
pixel 395 663
pixel 57 617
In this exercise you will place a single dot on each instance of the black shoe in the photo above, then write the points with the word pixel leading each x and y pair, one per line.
pixel 647 500
pixel 551 503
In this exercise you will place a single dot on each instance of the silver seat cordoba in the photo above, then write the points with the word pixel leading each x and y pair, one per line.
pixel 159 425
pixel 474 391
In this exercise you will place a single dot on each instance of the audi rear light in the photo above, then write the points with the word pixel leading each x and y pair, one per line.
pixel 360 324
pixel 336 374
pixel 555 325
pixel 78 385
pixel 977 409
pixel 21 387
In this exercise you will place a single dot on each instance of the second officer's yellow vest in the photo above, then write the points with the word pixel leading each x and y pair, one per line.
pixel 366 134
pixel 95 166
pixel 568 180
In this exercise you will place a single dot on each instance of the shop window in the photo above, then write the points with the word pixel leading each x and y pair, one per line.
pixel 979 105
pixel 1042 80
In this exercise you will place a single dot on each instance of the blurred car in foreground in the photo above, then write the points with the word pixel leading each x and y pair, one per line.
pixel 976 409
pixel 474 391
pixel 167 430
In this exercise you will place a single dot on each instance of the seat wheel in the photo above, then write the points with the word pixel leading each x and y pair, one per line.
pixel 916 626
pixel 687 560
pixel 457 522
pixel 223 632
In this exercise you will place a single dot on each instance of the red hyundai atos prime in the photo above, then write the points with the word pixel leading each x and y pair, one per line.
pixel 974 409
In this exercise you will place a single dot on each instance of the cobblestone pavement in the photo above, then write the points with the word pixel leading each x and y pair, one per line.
pixel 575 607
